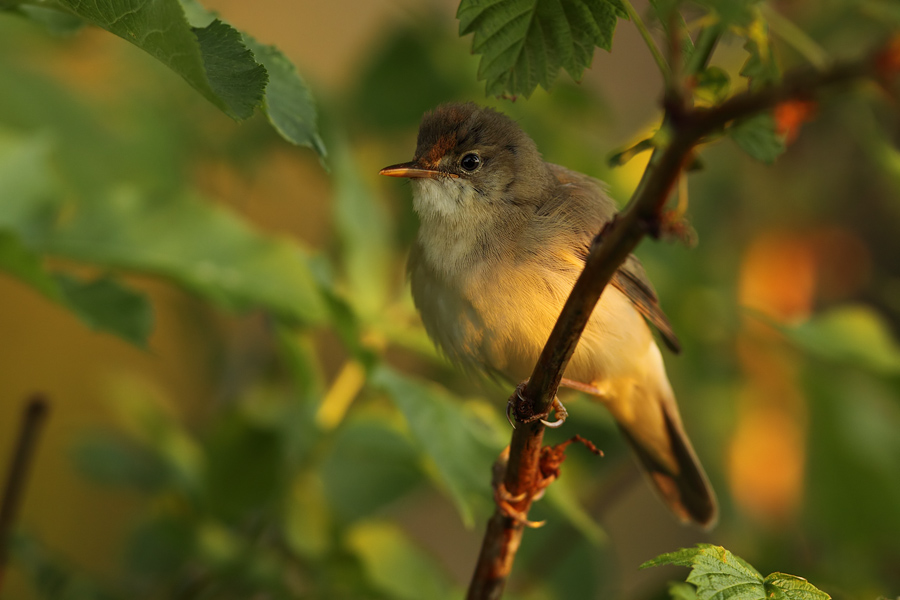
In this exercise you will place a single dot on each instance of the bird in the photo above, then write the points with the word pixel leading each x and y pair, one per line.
pixel 502 237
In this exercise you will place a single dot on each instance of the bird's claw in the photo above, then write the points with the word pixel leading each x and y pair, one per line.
pixel 561 414
pixel 512 410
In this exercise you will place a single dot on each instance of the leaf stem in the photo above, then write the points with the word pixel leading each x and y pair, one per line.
pixel 649 41
pixel 796 37
pixel 703 48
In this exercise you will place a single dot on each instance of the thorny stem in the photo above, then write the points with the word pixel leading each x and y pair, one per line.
pixel 609 250
pixel 32 419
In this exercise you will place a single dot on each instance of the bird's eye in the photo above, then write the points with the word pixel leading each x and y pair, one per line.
pixel 470 162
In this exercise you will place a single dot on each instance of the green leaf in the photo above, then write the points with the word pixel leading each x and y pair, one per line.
pixel 365 234
pixel 102 304
pixel 459 443
pixel 713 85
pixel 228 67
pixel 55 21
pixel 233 73
pixel 524 43
pixel 853 334
pixel 738 13
pixel 760 68
pixel 203 247
pixel 26 266
pixel 780 586
pixel 307 517
pixel 288 104
pixel 679 590
pixel 394 565
pixel 106 305
pixel 720 575
pixel 209 59
pixel 244 467
pixel 370 465
pixel 757 137
pixel 113 460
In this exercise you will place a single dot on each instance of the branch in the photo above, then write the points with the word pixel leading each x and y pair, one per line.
pixel 609 250
pixel 32 419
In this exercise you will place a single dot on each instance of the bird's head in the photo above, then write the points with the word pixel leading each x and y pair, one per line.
pixel 473 163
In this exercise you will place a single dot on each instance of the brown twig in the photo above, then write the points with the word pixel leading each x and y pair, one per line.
pixel 32 419
pixel 687 128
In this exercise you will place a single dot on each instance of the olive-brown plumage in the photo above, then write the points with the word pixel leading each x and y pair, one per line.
pixel 502 239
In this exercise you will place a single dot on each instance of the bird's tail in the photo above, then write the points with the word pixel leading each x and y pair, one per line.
pixel 682 483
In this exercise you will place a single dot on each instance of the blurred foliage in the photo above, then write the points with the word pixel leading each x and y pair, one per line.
pixel 329 443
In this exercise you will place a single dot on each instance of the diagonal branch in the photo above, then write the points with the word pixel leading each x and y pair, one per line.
pixel 32 419
pixel 642 216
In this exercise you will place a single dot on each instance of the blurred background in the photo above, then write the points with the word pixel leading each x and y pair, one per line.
pixel 239 457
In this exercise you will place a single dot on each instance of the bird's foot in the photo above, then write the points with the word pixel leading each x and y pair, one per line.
pixel 515 412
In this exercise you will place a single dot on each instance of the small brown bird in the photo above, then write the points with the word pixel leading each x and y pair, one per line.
pixel 503 237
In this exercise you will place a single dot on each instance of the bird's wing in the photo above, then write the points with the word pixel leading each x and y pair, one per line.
pixel 591 208
pixel 632 281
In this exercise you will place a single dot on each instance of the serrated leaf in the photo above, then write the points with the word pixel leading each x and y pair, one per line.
pixel 524 43
pixel 720 575
pixel 455 441
pixel 288 104
pixel 781 586
pixel 760 68
pixel 232 72
pixel 207 58
pixel 758 137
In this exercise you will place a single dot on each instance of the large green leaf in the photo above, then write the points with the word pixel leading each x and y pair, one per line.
pixel 288 103
pixel 524 43
pixel 26 186
pixel 203 247
pixel 720 575
pixel 228 67
pixel 364 230
pixel 211 59
pixel 459 444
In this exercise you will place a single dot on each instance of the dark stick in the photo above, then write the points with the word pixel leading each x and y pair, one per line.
pixel 610 249
pixel 32 419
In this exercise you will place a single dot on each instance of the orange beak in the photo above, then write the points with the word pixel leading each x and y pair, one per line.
pixel 413 171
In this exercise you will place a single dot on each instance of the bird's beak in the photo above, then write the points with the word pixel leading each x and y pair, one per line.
pixel 413 171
